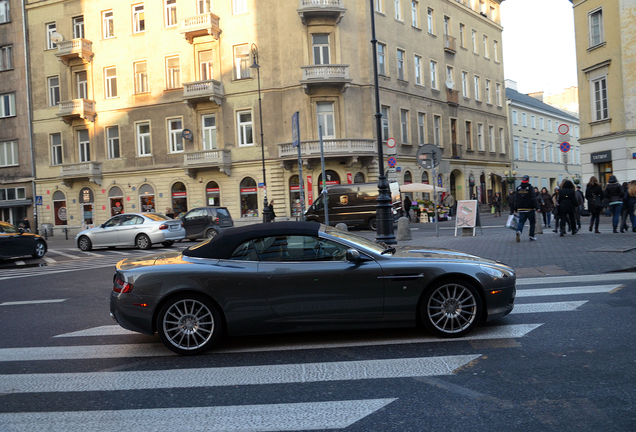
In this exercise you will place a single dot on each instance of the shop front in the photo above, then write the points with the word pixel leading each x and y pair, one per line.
pixel 294 197
pixel 213 194
pixel 602 165
pixel 116 201
pixel 249 198
pixel 147 203
pixel 179 199
pixel 87 200
pixel 59 208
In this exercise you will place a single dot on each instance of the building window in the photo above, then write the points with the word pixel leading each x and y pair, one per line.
pixel 170 7
pixel 400 64
pixel 56 148
pixel 6 58
pixel 110 82
pixel 488 96
pixel 78 27
pixel 491 138
pixel 447 26
pixel 495 50
pixel 244 123
pixel 404 122
pixel 595 27
pixel 175 129
pixel 576 132
pixel 421 128
pixel 533 122
pixel 239 6
pixel 53 84
pixel 462 35
pixel 143 139
pixel 543 158
pixel 450 73
pixel 326 119
pixel 474 40
pixel 516 148
pixel 502 141
pixel 524 119
pixel 486 53
pixel 9 153
pixel 398 10
pixel 139 18
pixel 206 69
pixel 434 74
pixel 418 70
pixel 173 73
pixel 477 87
pixel 208 126
pixel 204 6
pixel 81 80
pixel 84 145
pixel 526 151
pixel 112 141
pixel 465 84
pixel 415 14
pixel 141 77
pixel 431 21
pixel 515 119
pixel 381 59
pixel 5 12
pixel 321 48
pixel 378 6
pixel 480 137
pixel 498 95
pixel 386 123
pixel 108 24
pixel 50 29
pixel 600 110
pixel 534 150
pixel 242 62
pixel 469 135
pixel 437 130
pixel 549 125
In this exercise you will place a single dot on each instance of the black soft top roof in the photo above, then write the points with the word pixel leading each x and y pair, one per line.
pixel 223 245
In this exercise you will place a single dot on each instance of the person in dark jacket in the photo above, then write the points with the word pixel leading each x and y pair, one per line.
pixel 580 201
pixel 555 209
pixel 526 205
pixel 496 202
pixel 594 195
pixel 546 207
pixel 407 207
pixel 624 211
pixel 567 205
pixel 631 203
pixel 511 201
pixel 614 193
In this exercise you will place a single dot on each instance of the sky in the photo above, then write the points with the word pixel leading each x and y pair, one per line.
pixel 538 45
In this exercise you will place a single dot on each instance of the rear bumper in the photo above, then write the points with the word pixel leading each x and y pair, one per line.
pixel 168 235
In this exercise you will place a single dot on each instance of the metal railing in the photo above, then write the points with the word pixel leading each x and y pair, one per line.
pixel 449 44
pixel 340 147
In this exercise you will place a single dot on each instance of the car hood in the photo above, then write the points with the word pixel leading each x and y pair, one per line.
pixel 151 260
pixel 438 254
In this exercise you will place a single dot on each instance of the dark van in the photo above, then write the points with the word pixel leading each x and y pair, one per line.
pixel 206 222
pixel 353 204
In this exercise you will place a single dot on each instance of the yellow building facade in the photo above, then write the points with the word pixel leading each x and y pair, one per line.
pixel 145 106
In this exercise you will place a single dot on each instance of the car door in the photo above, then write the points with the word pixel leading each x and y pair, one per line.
pixel 131 225
pixel 106 234
pixel 308 278
pixel 9 241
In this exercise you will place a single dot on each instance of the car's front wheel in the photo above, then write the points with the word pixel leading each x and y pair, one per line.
pixel 451 309
pixel 40 250
pixel 84 243
pixel 189 324
pixel 143 242
pixel 373 224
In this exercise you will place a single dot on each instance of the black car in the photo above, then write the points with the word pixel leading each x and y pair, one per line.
pixel 206 222
pixel 299 276
pixel 15 242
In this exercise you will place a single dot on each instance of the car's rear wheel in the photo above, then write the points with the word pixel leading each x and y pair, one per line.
pixel 373 224
pixel 189 324
pixel 211 233
pixel 451 309
pixel 143 242
pixel 40 250
pixel 167 243
pixel 84 243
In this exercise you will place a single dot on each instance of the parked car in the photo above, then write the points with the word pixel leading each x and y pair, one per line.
pixel 206 222
pixel 132 229
pixel 289 276
pixel 14 242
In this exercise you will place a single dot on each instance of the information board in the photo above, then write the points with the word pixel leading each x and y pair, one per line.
pixel 466 216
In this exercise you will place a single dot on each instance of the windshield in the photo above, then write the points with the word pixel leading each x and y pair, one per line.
pixel 363 242
pixel 9 229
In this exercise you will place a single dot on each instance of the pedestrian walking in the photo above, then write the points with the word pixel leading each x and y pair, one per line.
pixel 594 195
pixel 407 207
pixel 546 207
pixel 449 201
pixel 496 203
pixel 580 205
pixel 272 213
pixel 567 206
pixel 614 194
pixel 625 211
pixel 169 212
pixel 525 205
pixel 555 209
pixel 25 224
pixel 631 203
pixel 511 201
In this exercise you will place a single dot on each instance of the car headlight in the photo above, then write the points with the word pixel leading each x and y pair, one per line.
pixel 495 271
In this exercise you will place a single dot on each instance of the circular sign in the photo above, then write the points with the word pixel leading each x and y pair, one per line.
pixel 429 156
pixel 563 129
pixel 392 162
pixel 565 147
pixel 187 134
pixel 61 213
pixel 391 142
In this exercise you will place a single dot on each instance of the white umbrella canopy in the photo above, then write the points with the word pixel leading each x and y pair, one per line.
pixel 421 187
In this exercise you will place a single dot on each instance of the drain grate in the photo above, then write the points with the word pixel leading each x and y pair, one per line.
pixel 614 249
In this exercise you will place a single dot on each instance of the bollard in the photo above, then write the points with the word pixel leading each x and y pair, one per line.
pixel 403 231
pixel 66 233
pixel 46 234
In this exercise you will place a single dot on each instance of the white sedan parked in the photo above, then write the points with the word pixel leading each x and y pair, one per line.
pixel 132 229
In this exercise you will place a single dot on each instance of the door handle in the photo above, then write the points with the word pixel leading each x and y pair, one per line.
pixel 403 276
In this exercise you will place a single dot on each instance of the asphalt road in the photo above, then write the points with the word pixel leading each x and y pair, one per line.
pixel 565 360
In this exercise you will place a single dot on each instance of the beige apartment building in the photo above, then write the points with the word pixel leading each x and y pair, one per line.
pixel 143 106
pixel 16 174
pixel 606 59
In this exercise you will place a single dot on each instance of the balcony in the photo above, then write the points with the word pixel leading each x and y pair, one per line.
pixel 206 24
pixel 452 97
pixel 349 150
pixel 81 171
pixel 196 161
pixel 77 108
pixel 325 75
pixel 456 151
pixel 74 48
pixel 449 44
pixel 330 11
pixel 203 91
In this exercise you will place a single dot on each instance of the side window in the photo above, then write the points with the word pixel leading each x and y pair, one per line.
pixel 113 222
pixel 245 252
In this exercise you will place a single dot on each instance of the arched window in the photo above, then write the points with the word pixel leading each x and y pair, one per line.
pixel 249 198
pixel 179 199
pixel 332 179
pixel 59 208
pixel 213 194
pixel 408 178
pixel 425 177
pixel 147 199
pixel 295 197
pixel 116 199
pixel 358 178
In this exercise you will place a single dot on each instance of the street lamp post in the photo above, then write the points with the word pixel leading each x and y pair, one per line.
pixel 257 66
pixel 384 214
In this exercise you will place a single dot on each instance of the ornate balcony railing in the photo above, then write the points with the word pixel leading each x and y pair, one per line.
pixel 203 90
pixel 328 74
pixel 82 170
pixel 456 151
pixel 332 9
pixel 200 25
pixel 74 48
pixel 332 147
pixel 81 108
pixel 198 160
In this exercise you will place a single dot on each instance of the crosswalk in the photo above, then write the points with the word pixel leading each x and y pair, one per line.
pixel 238 365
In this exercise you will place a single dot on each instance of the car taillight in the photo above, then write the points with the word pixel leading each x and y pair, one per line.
pixel 121 286
pixel 217 220
pixel 163 226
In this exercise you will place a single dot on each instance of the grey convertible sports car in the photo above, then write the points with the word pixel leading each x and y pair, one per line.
pixel 298 276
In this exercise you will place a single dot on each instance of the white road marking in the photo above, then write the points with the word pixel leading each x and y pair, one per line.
pixel 29 302
pixel 58 252
pixel 607 277
pixel 19 262
pixel 110 330
pixel 592 289
pixel 233 376
pixel 247 418
pixel 547 307
pixel 49 260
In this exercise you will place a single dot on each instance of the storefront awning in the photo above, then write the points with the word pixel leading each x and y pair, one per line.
pixel 16 203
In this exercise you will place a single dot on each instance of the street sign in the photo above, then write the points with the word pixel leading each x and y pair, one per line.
pixel 565 147
pixel 563 129
pixel 38 200
pixel 563 138
pixel 429 156
pixel 392 162
pixel 391 142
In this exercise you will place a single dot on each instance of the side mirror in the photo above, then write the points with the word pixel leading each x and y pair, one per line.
pixel 352 255
pixel 102 226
